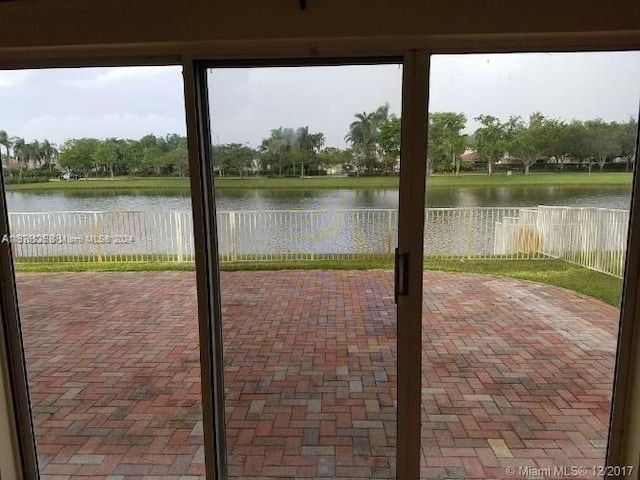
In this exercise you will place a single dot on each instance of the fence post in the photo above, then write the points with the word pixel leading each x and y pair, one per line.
pixel 470 236
pixel 179 245
pixel 232 231
pixel 13 229
pixel 96 236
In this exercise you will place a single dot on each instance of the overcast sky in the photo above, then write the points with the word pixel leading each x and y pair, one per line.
pixel 246 103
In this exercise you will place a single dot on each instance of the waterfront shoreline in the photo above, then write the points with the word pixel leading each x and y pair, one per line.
pixel 335 183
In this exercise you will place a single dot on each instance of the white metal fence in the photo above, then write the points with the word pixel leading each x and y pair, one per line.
pixel 305 235
pixel 101 236
pixel 595 238
pixel 469 232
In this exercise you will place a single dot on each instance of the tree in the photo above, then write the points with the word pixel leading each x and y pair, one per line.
pixel 48 152
pixel 34 154
pixel 109 154
pixel 330 157
pixel 308 144
pixel 390 140
pixel 445 140
pixel 288 147
pixel 602 141
pixel 554 133
pixel 235 157
pixel 5 142
pixel 152 159
pixel 490 140
pixel 177 156
pixel 363 136
pixel 78 154
pixel 20 152
pixel 575 142
pixel 289 142
pixel 273 149
pixel 304 147
pixel 530 142
pixel 626 140
pixel 174 141
pixel 133 155
pixel 177 159
pixel 152 149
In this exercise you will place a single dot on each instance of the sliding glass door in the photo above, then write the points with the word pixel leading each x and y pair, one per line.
pixel 307 197
pixel 281 356
pixel 305 230
pixel 301 172
pixel 531 160
pixel 99 232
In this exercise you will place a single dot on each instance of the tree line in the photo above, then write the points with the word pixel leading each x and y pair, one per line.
pixel 523 142
pixel 33 153
pixel 540 138
pixel 150 155
pixel 373 148
pixel 373 143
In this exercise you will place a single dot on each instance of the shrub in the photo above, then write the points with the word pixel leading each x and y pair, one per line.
pixel 17 180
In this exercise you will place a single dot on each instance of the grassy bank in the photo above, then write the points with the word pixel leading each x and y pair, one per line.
pixel 552 272
pixel 165 183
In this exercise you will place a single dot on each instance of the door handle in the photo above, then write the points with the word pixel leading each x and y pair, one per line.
pixel 401 274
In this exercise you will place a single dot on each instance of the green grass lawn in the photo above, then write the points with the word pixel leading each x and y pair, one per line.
pixel 552 272
pixel 533 179
pixel 171 183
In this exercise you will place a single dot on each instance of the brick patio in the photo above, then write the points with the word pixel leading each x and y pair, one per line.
pixel 514 374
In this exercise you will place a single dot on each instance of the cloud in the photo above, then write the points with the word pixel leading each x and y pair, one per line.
pixel 124 125
pixel 246 103
pixel 14 78
pixel 120 76
pixel 561 85
pixel 63 103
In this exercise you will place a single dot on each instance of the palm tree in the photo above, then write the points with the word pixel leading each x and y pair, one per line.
pixel 4 141
pixel 48 152
pixel 381 114
pixel 303 146
pixel 34 153
pixel 20 152
pixel 317 141
pixel 276 145
pixel 362 136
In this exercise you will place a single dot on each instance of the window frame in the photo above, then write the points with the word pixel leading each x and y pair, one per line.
pixel 623 433
pixel 410 240
pixel 19 425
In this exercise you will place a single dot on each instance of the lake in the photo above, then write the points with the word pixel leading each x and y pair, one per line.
pixel 272 199
pixel 270 221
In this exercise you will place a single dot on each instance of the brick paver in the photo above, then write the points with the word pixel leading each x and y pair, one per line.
pixel 514 374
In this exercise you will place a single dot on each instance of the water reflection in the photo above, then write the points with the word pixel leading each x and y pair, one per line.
pixel 281 199
pixel 505 196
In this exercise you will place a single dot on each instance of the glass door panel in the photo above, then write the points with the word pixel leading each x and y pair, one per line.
pixel 95 166
pixel 305 166
pixel 530 159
